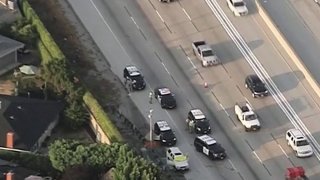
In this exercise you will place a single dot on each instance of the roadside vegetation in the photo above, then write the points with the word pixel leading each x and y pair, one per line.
pixel 58 80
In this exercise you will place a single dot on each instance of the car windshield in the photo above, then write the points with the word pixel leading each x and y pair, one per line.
pixel 239 4
pixel 216 148
pixel 204 123
pixel 138 78
pixel 167 97
pixel 302 143
pixel 168 134
pixel 207 53
pixel 251 117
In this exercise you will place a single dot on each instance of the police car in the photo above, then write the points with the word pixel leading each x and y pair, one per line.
pixel 177 159
pixel 164 134
pixel 165 97
pixel 202 125
pixel 132 73
pixel 209 146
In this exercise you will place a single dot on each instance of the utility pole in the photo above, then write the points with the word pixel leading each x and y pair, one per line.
pixel 150 122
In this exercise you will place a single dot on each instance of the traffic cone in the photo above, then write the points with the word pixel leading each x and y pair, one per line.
pixel 205 84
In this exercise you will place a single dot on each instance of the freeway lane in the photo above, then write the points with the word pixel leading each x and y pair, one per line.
pixel 223 87
pixel 286 80
pixel 291 24
pixel 201 167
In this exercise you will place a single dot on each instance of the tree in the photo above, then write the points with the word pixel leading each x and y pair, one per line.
pixel 67 153
pixel 62 154
pixel 75 115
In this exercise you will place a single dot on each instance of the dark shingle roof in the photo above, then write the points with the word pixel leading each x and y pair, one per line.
pixel 27 118
pixel 8 45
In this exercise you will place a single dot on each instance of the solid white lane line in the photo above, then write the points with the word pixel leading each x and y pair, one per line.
pixel 254 152
pixel 186 14
pixel 159 16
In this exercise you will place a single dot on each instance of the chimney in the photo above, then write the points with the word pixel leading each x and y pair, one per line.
pixel 10 176
pixel 10 139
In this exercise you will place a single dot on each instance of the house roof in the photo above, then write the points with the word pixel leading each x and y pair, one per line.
pixel 8 45
pixel 27 118
pixel 19 172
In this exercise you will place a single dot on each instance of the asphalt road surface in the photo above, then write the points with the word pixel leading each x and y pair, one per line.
pixel 299 22
pixel 157 38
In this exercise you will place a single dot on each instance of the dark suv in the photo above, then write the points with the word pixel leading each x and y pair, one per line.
pixel 165 97
pixel 164 134
pixel 209 146
pixel 131 73
pixel 256 86
pixel 201 124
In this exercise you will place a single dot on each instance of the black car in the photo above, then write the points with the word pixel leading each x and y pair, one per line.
pixel 164 134
pixel 256 86
pixel 202 125
pixel 209 146
pixel 131 73
pixel 165 98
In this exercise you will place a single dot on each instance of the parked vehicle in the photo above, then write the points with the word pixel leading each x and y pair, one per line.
pixel 201 124
pixel 163 133
pixel 167 1
pixel 205 53
pixel 295 173
pixel 177 159
pixel 165 97
pixel 256 86
pixel 209 146
pixel 238 7
pixel 132 74
pixel 298 143
pixel 247 116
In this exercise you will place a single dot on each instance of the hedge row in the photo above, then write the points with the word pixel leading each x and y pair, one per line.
pixel 45 36
pixel 44 53
pixel 102 118
pixel 49 50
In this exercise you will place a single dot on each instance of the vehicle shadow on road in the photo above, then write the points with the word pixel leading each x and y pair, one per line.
pixel 288 80
pixel 255 44
pixel 226 51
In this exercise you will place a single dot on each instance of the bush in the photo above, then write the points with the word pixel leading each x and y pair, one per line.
pixel 102 118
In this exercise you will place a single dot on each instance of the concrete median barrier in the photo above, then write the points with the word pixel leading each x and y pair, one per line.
pixel 289 50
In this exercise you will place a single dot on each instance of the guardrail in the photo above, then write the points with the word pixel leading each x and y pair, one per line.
pixel 287 47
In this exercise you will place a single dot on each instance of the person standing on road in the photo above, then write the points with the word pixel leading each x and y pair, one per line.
pixel 150 97
pixel 129 85
pixel 191 126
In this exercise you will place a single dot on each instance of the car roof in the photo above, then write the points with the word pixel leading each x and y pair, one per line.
pixel 254 78
pixel 235 1
pixel 164 91
pixel 207 139
pixel 163 125
pixel 297 133
pixel 198 114
pixel 175 150
pixel 133 70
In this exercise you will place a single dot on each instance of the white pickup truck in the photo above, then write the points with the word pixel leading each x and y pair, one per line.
pixel 205 53
pixel 247 116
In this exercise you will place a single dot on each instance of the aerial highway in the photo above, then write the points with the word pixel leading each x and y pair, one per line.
pixel 157 38
pixel 299 22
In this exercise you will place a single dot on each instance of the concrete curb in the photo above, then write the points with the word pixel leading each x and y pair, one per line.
pixel 289 50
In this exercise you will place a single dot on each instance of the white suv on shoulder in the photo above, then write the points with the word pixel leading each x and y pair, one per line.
pixel 238 7
pixel 298 143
